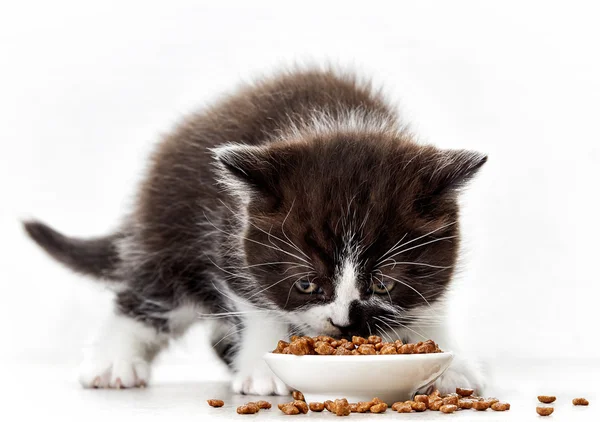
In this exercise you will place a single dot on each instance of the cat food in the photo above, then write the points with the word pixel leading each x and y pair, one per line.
pixel 316 407
pixel 329 406
pixel 215 402
pixel 418 406
pixel 481 405
pixel 500 407
pixel 262 404
pixel 423 399
pixel 465 404
pixel 248 409
pixel 546 399
pixel 378 408
pixel 580 401
pixel 464 392
pixel 301 405
pixel 402 407
pixel 544 411
pixel 288 409
pixel 435 404
pixel 341 407
pixel 297 395
pixel 448 408
pixel 373 345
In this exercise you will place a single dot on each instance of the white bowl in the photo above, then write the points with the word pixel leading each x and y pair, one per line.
pixel 359 378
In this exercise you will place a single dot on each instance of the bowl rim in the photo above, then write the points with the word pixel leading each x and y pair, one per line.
pixel 354 358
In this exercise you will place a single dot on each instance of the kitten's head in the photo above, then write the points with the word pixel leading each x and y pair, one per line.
pixel 348 234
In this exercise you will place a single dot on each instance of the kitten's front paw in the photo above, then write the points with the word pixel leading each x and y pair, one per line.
pixel 461 374
pixel 261 382
pixel 120 373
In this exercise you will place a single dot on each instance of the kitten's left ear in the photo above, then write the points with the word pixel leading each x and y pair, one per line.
pixel 453 169
pixel 248 170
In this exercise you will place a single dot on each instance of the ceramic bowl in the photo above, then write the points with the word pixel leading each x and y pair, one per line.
pixel 359 378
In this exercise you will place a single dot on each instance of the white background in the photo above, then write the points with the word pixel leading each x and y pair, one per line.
pixel 87 89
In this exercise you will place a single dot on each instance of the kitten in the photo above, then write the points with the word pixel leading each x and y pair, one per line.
pixel 296 205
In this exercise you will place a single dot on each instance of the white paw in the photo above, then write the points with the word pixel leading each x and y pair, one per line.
pixel 261 382
pixel 118 373
pixel 461 374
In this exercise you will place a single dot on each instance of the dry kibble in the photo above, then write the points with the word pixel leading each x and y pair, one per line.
pixel 448 408
pixel 324 348
pixel 418 406
pixel 300 347
pixel 262 404
pixel 492 400
pixel 363 406
pixel 379 408
pixel 355 352
pixel 380 346
pixel 544 411
pixel 248 409
pixel 288 409
pixel 388 349
pixel 402 407
pixel 301 405
pixel 436 404
pixel 215 402
pixel 281 345
pixel 353 407
pixel 465 404
pixel 316 407
pixel 374 339
pixel 422 398
pixel 464 392
pixel 450 400
pixel 329 405
pixel 546 399
pixel 342 407
pixel 358 340
pixel 407 349
pixel 580 401
pixel 326 339
pixel 500 407
pixel 366 349
pixel 481 405
pixel 341 350
pixel 297 395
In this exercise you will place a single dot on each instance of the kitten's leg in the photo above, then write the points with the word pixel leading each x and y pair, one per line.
pixel 122 353
pixel 260 335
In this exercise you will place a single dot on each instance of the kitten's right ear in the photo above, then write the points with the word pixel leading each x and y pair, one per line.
pixel 246 170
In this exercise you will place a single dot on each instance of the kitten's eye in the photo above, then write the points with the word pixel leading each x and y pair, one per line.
pixel 306 286
pixel 382 287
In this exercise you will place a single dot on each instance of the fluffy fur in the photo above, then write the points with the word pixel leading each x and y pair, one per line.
pixel 297 204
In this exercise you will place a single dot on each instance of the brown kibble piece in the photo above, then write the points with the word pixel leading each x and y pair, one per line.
pixel 297 395
pixel 422 398
pixel 363 406
pixel 402 407
pixel 262 404
pixel 358 340
pixel 500 407
pixel 465 404
pixel 341 407
pixel 418 406
pixel 546 399
pixel 379 408
pixel 329 405
pixel 326 339
pixel 342 351
pixel 215 402
pixel 353 407
pixel 324 348
pixel 388 349
pixel 448 408
pixel 450 400
pixel 288 409
pixel 435 404
pixel 301 405
pixel 376 400
pixel 300 347
pixel 281 345
pixel 544 411
pixel 580 401
pixel 380 346
pixel 374 339
pixel 481 405
pixel 464 392
pixel 316 406
pixel 492 400
pixel 407 349
pixel 248 409
pixel 366 349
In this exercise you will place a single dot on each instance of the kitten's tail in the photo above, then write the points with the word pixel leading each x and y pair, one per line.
pixel 97 257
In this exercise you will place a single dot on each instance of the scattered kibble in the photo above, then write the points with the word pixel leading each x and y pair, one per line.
pixel 464 392
pixel 500 406
pixel 215 402
pixel 580 401
pixel 546 399
pixel 544 410
pixel 448 408
pixel 316 407
pixel 248 409
pixel 297 395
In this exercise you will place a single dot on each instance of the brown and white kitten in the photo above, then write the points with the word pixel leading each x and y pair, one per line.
pixel 298 204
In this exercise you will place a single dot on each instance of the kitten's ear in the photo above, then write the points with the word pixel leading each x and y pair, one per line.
pixel 446 173
pixel 247 169
pixel 453 169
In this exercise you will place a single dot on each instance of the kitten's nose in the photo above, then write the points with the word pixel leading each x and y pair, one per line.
pixel 347 329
